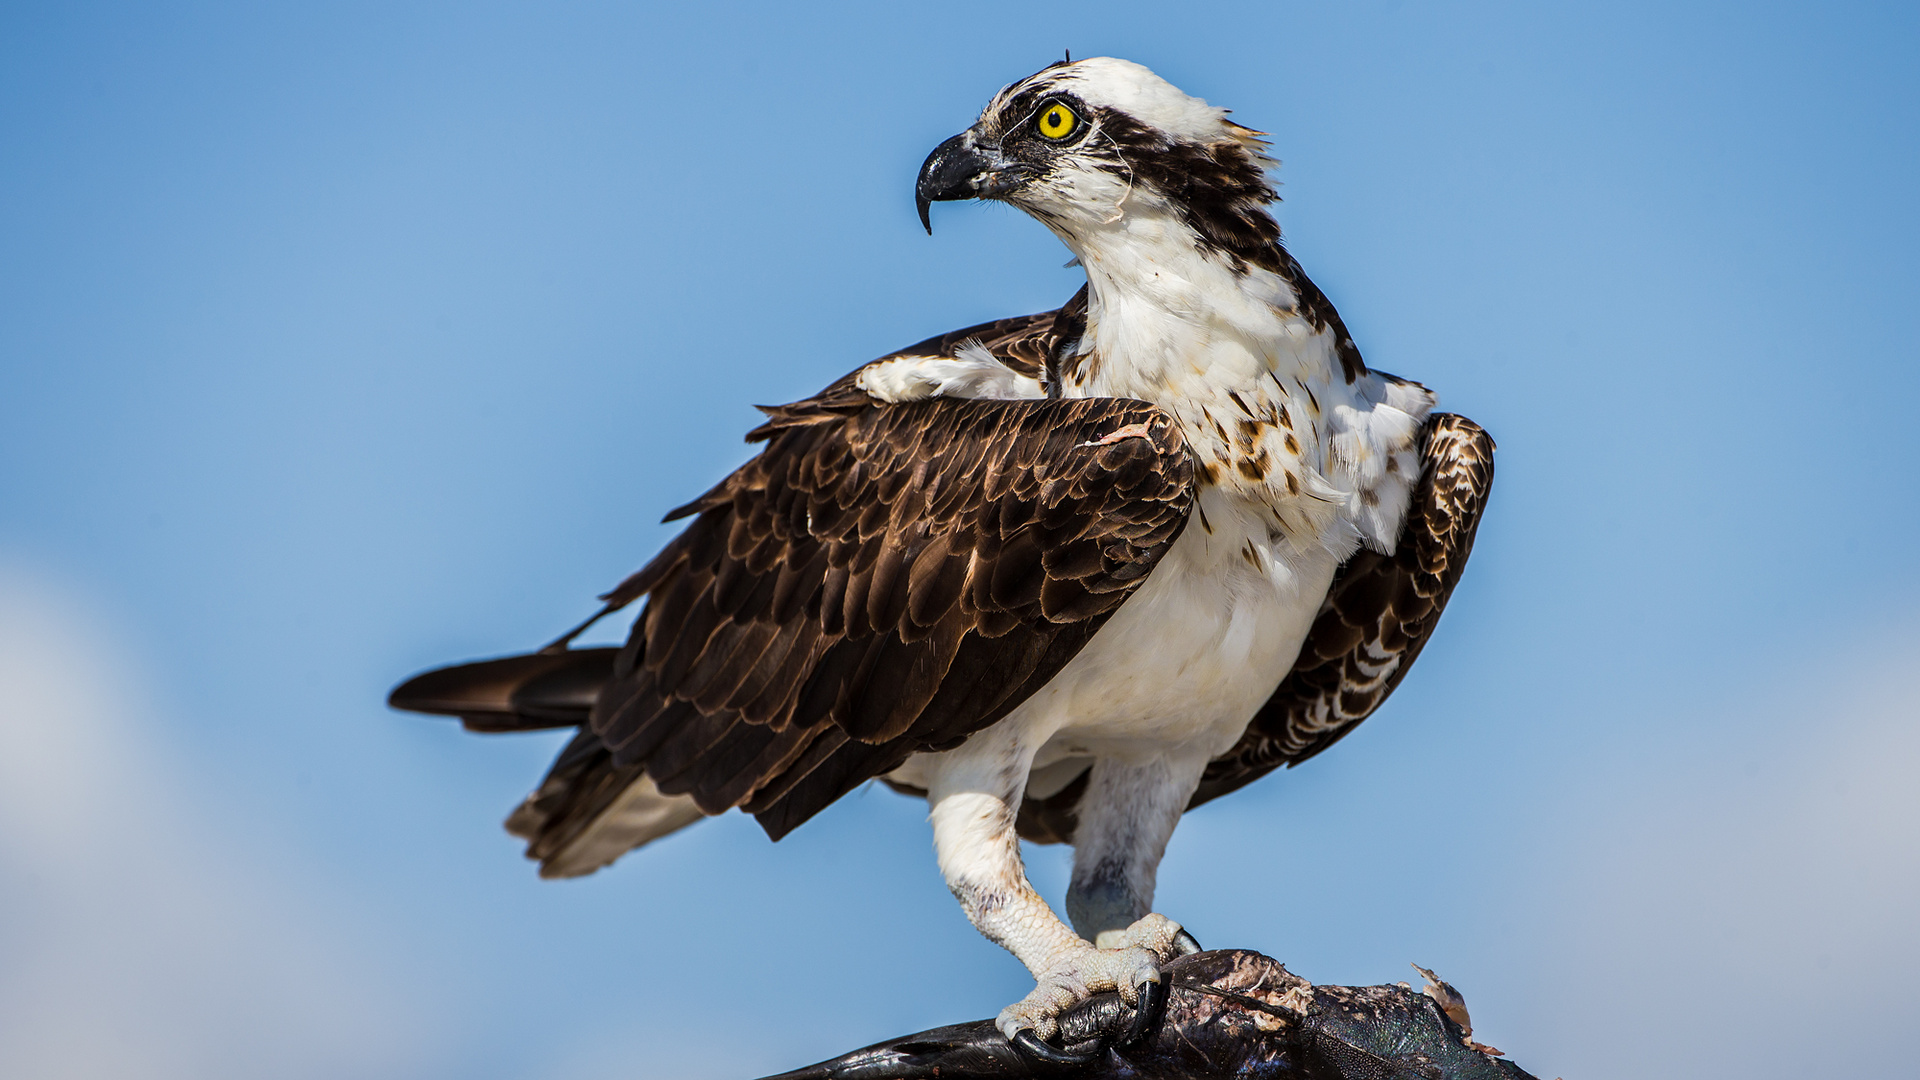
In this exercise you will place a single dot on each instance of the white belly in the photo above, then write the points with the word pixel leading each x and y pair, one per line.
pixel 1182 666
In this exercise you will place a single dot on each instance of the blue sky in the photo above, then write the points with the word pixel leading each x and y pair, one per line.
pixel 339 341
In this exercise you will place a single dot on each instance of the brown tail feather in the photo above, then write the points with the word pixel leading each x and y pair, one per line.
pixel 588 810
pixel 514 693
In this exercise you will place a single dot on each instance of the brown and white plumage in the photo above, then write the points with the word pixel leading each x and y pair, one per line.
pixel 1377 617
pixel 883 580
pixel 1067 574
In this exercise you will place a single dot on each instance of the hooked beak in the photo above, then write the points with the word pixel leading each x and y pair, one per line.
pixel 961 169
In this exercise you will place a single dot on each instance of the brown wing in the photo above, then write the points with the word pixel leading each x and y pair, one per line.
pixel 1377 617
pixel 557 686
pixel 882 580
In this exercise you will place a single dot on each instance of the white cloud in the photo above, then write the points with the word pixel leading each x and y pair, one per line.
pixel 1752 909
pixel 139 936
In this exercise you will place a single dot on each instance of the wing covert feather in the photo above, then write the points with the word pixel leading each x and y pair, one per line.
pixel 902 574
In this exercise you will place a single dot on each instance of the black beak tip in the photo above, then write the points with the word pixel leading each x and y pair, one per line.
pixel 952 171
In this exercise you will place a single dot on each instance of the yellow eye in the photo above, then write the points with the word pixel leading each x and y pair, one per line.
pixel 1058 121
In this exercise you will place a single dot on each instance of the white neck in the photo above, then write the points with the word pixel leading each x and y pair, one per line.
pixel 1224 349
pixel 1161 309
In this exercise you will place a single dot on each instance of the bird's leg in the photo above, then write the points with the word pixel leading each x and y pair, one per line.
pixel 1126 818
pixel 975 792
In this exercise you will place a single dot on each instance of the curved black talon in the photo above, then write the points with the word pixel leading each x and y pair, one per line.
pixel 1152 998
pixel 1184 945
pixel 1034 1047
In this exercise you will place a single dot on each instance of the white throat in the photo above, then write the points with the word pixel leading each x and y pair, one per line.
pixel 1276 428
pixel 1168 316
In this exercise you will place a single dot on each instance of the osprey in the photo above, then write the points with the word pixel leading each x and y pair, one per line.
pixel 1065 575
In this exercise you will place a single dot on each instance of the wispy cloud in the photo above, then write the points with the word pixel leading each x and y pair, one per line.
pixel 141 935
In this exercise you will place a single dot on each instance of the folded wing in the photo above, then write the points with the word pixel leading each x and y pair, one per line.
pixel 879 580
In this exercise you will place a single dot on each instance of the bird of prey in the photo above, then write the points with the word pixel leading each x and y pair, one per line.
pixel 1065 575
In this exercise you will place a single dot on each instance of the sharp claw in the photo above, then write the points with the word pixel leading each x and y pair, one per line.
pixel 1146 1015
pixel 1184 944
pixel 1036 1049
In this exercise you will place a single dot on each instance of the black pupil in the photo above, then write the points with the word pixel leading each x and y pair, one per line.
pixel 1056 117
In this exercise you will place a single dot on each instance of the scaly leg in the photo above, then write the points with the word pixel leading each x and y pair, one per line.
pixel 975 792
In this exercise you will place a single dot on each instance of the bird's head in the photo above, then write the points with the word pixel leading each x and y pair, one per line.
pixel 1086 145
